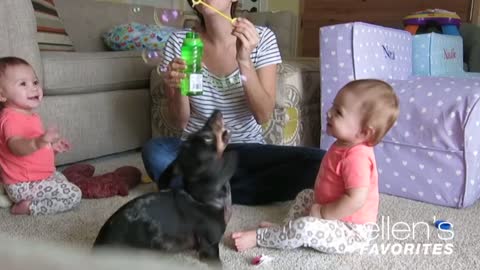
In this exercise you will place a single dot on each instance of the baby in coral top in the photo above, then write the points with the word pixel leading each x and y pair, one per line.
pixel 26 149
pixel 339 214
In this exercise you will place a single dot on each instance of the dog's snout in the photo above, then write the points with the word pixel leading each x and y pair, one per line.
pixel 217 115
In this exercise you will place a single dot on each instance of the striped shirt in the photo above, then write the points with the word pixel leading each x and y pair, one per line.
pixel 227 93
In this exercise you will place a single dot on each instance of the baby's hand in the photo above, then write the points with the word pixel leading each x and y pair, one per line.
pixel 315 210
pixel 61 146
pixel 50 136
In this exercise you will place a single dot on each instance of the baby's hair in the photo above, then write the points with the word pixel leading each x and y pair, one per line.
pixel 10 61
pixel 379 104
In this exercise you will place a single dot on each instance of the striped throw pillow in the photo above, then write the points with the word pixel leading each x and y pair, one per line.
pixel 51 35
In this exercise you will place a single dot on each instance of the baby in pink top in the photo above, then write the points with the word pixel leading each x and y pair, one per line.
pixel 339 214
pixel 27 149
pixel 344 169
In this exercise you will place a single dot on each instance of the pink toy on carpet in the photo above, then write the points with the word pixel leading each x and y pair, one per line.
pixel 105 185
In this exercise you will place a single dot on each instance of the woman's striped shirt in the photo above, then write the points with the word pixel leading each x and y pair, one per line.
pixel 227 93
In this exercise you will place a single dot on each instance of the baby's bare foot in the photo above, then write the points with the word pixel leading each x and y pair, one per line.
pixel 245 240
pixel 21 208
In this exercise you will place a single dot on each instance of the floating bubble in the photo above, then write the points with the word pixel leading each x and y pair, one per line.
pixel 136 9
pixel 166 17
pixel 161 70
pixel 152 57
pixel 175 14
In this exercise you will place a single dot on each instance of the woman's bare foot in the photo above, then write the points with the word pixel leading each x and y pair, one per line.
pixel 266 224
pixel 21 208
pixel 245 240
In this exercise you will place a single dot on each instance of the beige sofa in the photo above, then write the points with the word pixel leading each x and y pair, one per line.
pixel 101 100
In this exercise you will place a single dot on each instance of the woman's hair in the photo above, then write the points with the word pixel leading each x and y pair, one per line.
pixel 202 20
pixel 379 106
pixel 5 63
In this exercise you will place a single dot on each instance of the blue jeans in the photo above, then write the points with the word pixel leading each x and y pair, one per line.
pixel 265 174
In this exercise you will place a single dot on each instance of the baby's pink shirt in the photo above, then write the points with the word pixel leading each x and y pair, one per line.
pixel 344 168
pixel 36 166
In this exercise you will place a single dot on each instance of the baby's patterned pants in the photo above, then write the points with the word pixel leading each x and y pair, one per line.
pixel 301 230
pixel 49 196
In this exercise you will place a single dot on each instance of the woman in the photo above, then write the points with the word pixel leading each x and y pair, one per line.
pixel 239 78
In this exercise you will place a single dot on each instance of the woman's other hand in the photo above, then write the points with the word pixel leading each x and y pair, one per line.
pixel 174 73
pixel 247 39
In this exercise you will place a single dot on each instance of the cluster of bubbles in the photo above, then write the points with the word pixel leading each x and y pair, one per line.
pixel 154 57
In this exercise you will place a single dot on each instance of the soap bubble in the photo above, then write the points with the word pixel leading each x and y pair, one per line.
pixel 167 17
pixel 161 70
pixel 136 9
pixel 152 57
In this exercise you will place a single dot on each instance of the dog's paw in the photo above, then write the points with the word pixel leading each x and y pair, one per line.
pixel 5 202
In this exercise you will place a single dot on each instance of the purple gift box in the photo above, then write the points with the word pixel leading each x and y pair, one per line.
pixel 432 153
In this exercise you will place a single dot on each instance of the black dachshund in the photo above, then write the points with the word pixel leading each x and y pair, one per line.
pixel 192 217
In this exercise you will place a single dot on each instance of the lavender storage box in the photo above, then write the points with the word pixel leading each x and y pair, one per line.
pixel 432 153
pixel 437 55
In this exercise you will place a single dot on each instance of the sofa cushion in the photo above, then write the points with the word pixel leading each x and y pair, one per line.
pixel 51 34
pixel 296 119
pixel 73 72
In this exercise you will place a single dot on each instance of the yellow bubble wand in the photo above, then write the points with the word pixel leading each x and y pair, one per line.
pixel 196 2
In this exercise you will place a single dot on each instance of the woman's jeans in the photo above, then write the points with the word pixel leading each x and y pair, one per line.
pixel 266 173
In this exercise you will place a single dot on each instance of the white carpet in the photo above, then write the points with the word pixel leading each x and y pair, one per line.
pixel 78 229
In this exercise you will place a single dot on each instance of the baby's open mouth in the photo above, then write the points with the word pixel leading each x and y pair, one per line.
pixel 34 98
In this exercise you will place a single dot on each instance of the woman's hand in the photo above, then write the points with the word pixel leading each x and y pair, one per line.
pixel 174 73
pixel 178 105
pixel 247 39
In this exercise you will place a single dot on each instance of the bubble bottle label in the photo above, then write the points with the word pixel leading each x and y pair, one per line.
pixel 192 53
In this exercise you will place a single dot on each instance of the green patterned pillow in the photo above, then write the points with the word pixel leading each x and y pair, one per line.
pixel 283 128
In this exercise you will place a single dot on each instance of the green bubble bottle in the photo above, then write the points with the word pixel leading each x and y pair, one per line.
pixel 192 53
